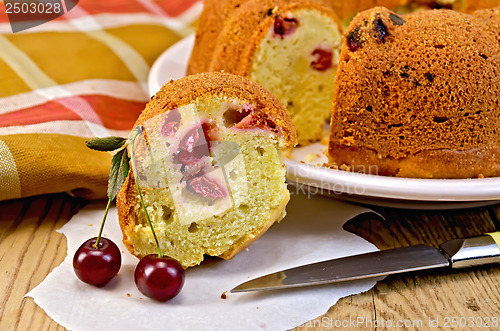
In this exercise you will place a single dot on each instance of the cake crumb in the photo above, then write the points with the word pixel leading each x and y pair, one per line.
pixel 325 140
pixel 345 167
pixel 128 294
pixel 223 295
pixel 310 157
pixel 331 166
pixel 347 141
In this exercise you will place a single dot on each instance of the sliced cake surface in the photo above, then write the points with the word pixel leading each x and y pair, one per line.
pixel 289 47
pixel 208 157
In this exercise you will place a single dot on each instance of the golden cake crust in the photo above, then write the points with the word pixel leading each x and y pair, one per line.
pixel 443 163
pixel 210 23
pixel 418 95
pixel 125 209
pixel 346 9
pixel 186 90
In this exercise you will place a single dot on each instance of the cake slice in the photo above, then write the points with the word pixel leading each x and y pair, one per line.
pixel 207 151
pixel 289 47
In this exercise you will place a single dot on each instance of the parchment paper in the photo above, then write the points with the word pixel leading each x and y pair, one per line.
pixel 312 231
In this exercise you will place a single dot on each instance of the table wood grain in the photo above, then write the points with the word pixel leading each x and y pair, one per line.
pixel 30 248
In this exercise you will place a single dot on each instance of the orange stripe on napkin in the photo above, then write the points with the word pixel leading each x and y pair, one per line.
pixel 115 114
pixel 48 112
pixel 112 6
pixel 3 13
pixel 171 7
pixel 106 108
pixel 175 7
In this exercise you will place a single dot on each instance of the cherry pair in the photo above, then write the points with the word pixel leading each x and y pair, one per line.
pixel 98 260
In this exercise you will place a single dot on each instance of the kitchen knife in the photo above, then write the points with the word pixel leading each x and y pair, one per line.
pixel 456 253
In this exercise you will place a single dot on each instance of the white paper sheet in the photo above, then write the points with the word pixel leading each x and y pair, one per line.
pixel 312 231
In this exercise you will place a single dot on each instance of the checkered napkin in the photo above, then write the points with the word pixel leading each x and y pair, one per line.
pixel 81 75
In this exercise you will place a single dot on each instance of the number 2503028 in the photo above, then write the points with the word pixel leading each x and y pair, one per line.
pixel 33 8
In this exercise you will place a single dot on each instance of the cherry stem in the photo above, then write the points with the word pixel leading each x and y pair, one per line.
pixel 137 131
pixel 96 244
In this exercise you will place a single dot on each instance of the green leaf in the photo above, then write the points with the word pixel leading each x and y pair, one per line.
pixel 118 173
pixel 106 144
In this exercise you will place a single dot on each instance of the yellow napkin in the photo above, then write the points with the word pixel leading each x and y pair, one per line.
pixel 81 75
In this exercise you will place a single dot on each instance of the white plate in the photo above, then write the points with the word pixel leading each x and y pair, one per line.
pixel 172 64
pixel 306 176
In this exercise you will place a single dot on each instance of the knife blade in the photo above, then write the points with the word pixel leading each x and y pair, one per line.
pixel 456 253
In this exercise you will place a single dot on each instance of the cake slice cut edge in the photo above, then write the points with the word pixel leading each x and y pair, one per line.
pixel 214 202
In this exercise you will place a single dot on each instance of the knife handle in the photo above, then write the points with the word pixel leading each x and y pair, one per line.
pixel 473 251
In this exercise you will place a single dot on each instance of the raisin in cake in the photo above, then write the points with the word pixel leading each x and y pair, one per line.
pixel 289 47
pixel 418 95
pixel 207 151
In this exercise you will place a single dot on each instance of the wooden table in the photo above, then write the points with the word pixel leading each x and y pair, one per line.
pixel 30 248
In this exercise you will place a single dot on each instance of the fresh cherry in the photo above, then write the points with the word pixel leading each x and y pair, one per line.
pixel 159 278
pixel 97 266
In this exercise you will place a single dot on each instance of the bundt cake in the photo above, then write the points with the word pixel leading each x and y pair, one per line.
pixel 207 150
pixel 418 95
pixel 289 47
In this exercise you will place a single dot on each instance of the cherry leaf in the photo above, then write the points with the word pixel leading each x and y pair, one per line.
pixel 118 172
pixel 106 144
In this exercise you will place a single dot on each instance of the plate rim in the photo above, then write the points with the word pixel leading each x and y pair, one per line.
pixel 397 188
pixel 181 47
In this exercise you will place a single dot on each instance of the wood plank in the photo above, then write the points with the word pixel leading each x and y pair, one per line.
pixel 30 248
